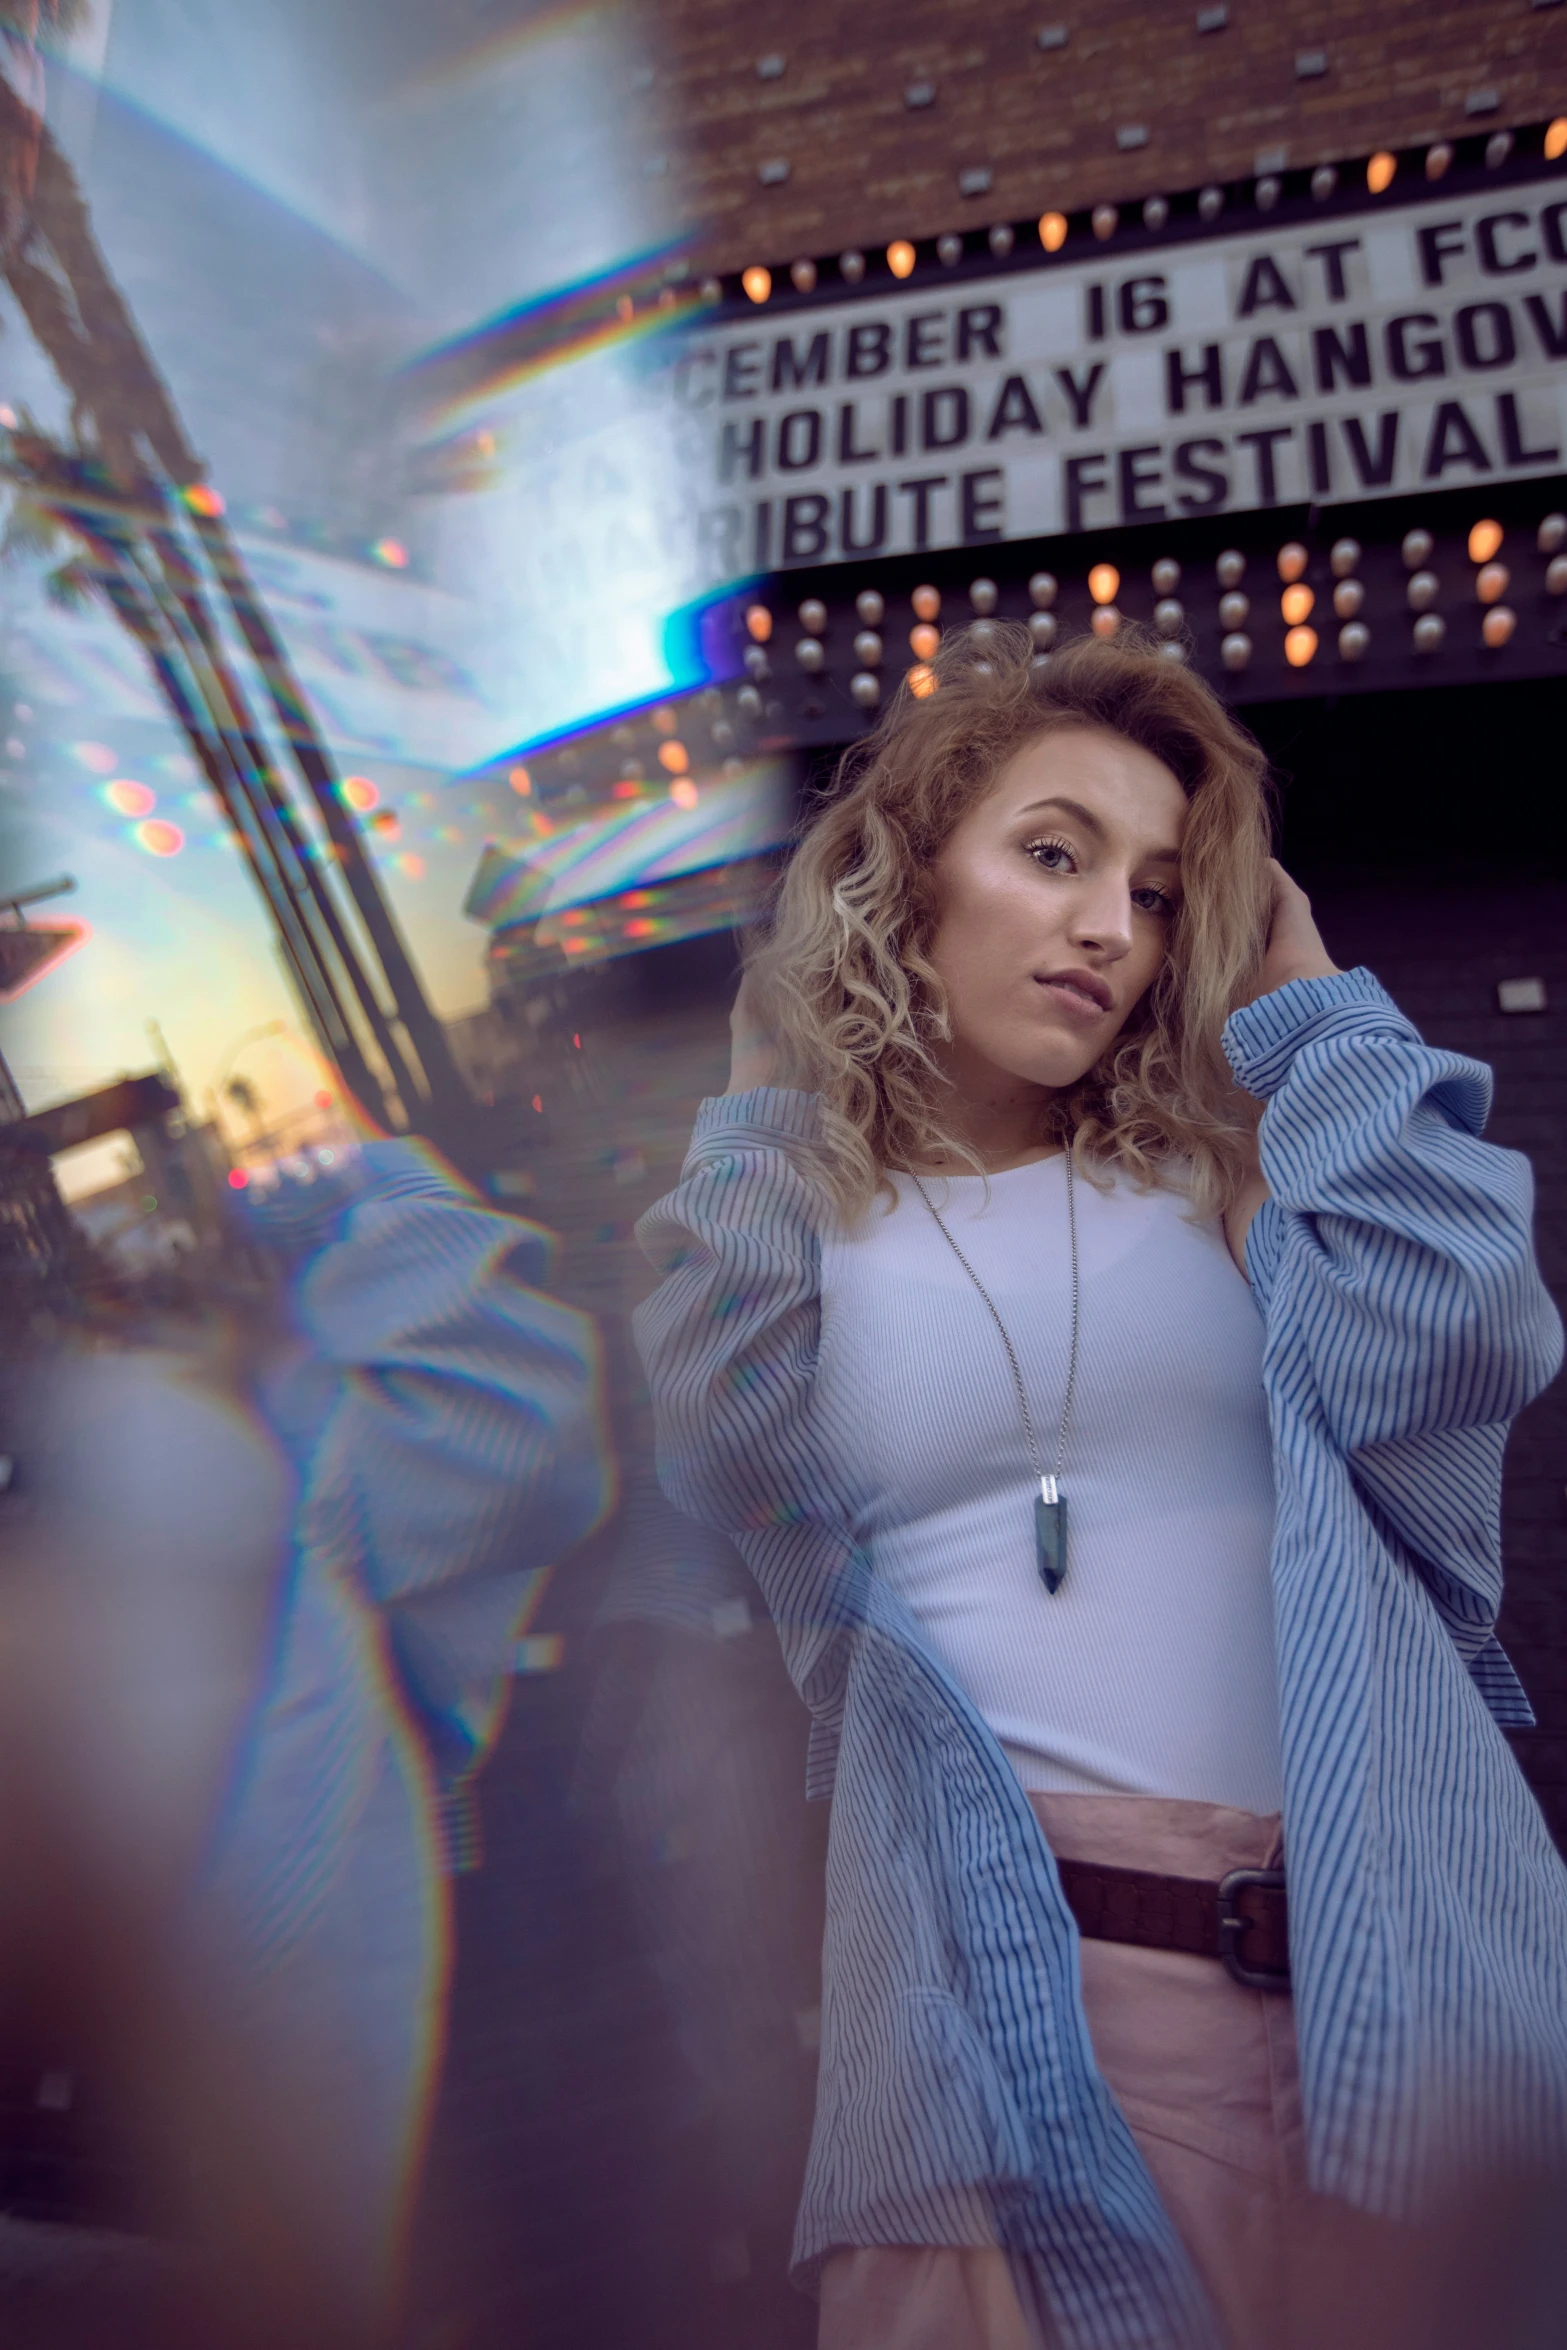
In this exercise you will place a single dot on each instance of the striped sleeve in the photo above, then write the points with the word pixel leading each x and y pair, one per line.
pixel 464 1445
pixel 1426 1308
pixel 729 1338
pixel 729 1341
pixel 1403 1245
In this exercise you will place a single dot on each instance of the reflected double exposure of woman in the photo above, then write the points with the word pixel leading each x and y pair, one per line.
pixel 1116 1594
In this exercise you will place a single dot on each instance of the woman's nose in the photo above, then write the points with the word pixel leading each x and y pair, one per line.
pixel 1102 921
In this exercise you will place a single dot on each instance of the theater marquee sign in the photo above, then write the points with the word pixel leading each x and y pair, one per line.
pixel 1331 359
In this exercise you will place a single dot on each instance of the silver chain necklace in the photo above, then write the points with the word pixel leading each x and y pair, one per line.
pixel 1050 1502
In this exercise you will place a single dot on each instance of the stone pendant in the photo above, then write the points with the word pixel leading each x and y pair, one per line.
pixel 1050 1533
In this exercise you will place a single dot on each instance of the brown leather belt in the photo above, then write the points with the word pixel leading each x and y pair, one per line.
pixel 1242 1920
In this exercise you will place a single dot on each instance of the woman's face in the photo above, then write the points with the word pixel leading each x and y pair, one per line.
pixel 1056 893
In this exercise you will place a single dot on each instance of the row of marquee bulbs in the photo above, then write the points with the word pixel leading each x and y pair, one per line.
pixel 1105 219
pixel 1296 606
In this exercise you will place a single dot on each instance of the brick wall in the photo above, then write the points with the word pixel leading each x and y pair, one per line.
pixel 864 165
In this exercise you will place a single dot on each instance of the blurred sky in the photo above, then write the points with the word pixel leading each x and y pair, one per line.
pixel 298 200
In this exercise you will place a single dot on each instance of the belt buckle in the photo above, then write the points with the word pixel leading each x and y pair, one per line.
pixel 1233 1928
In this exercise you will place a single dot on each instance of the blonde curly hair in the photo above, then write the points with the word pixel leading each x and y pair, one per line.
pixel 842 972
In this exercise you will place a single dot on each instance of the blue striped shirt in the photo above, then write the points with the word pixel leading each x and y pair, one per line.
pixel 1405 1324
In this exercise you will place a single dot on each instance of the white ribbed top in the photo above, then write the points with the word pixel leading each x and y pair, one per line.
pixel 1152 1671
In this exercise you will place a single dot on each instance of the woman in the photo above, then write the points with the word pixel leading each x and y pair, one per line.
pixel 1088 1566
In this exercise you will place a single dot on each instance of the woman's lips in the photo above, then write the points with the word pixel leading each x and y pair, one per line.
pixel 1073 998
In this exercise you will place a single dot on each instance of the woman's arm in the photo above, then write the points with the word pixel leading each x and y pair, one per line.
pixel 729 1337
pixel 1408 1238
pixel 729 1340
pixel 1394 1260
pixel 460 1429
pixel 1294 951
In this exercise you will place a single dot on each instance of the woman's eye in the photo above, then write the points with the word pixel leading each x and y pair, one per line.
pixel 1153 901
pixel 1054 855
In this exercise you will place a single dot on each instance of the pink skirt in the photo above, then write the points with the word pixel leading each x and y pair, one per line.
pixel 1205 2072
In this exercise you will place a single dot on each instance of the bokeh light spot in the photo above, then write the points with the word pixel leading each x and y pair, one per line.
pixel 159 838
pixel 357 791
pixel 127 798
pixel 96 756
pixel 392 553
pixel 684 792
pixel 674 756
pixel 237 1179
pixel 521 782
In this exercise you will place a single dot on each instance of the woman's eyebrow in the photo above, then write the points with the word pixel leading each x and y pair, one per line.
pixel 1091 823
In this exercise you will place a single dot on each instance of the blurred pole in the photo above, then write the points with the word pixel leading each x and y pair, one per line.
pixel 138 443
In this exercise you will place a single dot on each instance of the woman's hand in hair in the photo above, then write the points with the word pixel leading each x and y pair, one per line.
pixel 1294 949
pixel 753 1049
